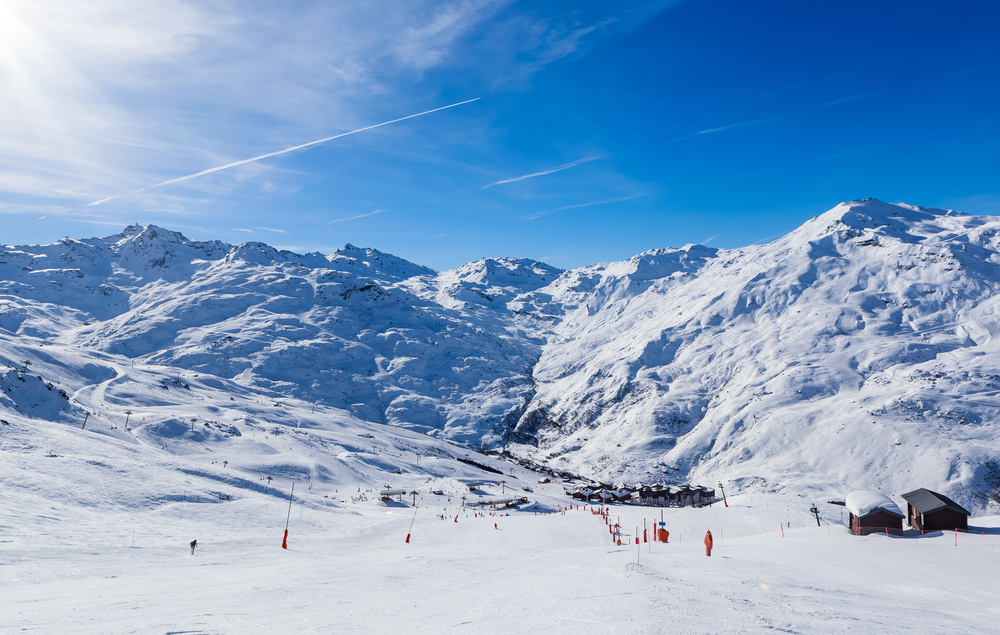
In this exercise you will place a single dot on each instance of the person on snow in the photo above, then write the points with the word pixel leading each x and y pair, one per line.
pixel 708 543
pixel 194 543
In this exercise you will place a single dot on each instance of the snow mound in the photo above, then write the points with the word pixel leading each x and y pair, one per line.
pixel 864 502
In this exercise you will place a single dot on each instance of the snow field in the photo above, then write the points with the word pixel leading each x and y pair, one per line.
pixel 349 568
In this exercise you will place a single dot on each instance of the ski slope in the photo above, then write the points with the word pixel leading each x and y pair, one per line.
pixel 350 569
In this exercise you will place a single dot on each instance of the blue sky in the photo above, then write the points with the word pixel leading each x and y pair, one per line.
pixel 601 129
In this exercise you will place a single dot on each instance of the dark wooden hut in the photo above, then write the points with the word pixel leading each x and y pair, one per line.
pixel 930 511
pixel 871 512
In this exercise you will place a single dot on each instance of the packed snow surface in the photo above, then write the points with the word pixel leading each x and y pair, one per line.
pixel 96 526
pixel 864 502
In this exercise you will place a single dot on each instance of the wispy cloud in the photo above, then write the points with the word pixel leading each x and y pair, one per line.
pixel 341 220
pixel 766 239
pixel 240 229
pixel 734 126
pixel 710 239
pixel 831 157
pixel 274 154
pixel 558 168
pixel 271 229
pixel 178 83
pixel 973 69
pixel 850 98
pixel 709 131
pixel 578 205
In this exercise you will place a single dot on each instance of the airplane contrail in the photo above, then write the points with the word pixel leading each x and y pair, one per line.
pixel 274 154
pixel 558 168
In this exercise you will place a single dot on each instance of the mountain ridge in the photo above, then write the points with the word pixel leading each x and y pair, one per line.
pixel 869 326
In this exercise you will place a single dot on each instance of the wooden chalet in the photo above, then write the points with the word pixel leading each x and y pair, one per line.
pixel 930 511
pixel 582 494
pixel 871 512
pixel 620 495
pixel 682 495
pixel 601 495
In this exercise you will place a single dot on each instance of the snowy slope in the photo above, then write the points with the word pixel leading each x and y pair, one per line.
pixel 341 330
pixel 856 352
pixel 96 521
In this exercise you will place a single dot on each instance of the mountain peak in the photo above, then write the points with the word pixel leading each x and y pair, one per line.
pixel 874 218
pixel 375 264
pixel 873 212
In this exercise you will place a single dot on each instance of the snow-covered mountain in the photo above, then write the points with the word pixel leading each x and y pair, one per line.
pixel 359 330
pixel 856 351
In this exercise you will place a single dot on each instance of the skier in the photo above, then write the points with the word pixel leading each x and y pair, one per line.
pixel 708 543
pixel 495 526
pixel 194 543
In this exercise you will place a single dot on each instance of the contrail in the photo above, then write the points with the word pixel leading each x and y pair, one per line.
pixel 341 220
pixel 558 168
pixel 559 209
pixel 274 154
pixel 734 126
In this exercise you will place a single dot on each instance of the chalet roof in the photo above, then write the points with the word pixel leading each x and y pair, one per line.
pixel 863 502
pixel 928 502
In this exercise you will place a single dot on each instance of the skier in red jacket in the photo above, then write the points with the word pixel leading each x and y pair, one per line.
pixel 708 543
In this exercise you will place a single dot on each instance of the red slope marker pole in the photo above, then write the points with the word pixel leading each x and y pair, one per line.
pixel 284 541
pixel 408 531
